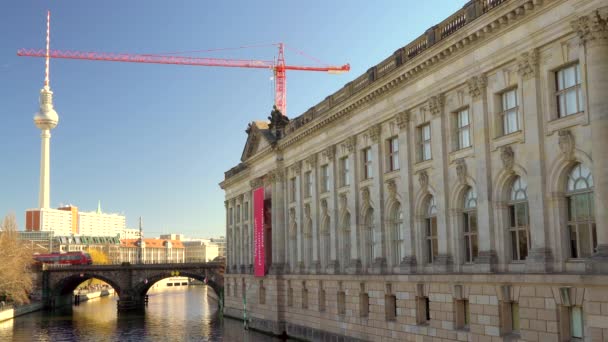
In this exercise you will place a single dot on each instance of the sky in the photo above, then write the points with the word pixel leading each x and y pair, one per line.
pixel 154 140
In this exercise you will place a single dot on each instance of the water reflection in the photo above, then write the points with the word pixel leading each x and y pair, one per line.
pixel 173 314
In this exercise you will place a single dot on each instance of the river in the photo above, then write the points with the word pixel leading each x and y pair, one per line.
pixel 173 314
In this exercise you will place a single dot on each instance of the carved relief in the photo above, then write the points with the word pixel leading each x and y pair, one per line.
pixel 350 144
pixel 312 161
pixel 461 170
pixel 436 103
pixel 423 179
pixel 365 195
pixel 527 64
pixel 256 183
pixel 296 168
pixel 508 157
pixel 374 133
pixel 292 224
pixel 343 202
pixel 323 207
pixel 477 85
pixel 391 187
pixel 565 141
pixel 403 119
pixel 593 28
pixel 329 152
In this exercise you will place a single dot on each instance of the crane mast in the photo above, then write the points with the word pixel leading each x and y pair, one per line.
pixel 278 67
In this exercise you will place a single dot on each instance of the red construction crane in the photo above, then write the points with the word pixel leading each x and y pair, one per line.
pixel 278 67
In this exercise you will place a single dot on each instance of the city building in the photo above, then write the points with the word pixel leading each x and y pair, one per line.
pixel 201 250
pixel 68 220
pixel 179 237
pixel 152 251
pixel 221 245
pixel 40 242
pixel 456 191
pixel 108 245
pixel 130 233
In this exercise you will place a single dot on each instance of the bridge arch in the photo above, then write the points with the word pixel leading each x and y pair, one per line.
pixel 68 284
pixel 142 286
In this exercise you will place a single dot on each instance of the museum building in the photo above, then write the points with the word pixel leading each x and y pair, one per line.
pixel 456 191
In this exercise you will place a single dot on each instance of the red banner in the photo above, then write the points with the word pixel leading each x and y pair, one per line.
pixel 259 266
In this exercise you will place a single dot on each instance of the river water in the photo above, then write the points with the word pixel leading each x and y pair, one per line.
pixel 173 314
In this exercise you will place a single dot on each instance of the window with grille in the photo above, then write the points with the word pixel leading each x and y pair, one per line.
pixel 509 113
pixel 463 129
pixel 325 178
pixel 308 184
pixel 518 216
pixel 369 236
pixel 292 189
pixel 344 172
pixel 569 93
pixel 397 226
pixel 581 220
pixel 393 154
pixel 367 163
pixel 471 247
pixel 432 243
pixel 424 142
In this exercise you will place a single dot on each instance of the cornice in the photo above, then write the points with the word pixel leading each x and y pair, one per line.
pixel 425 62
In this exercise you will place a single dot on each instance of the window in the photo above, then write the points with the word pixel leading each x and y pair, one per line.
pixel 470 226
pixel 246 211
pixel 262 294
pixel 326 240
pixel 518 217
pixel 304 297
pixel 369 236
pixel 423 310
pixel 509 113
pixel 462 314
pixel 581 221
pixel 238 213
pixel 576 322
pixel 322 298
pixel 569 93
pixel 344 172
pixel 325 178
pixel 397 226
pixel 424 142
pixel 341 303
pixel 363 304
pixel 308 184
pixel 393 154
pixel 390 307
pixel 230 217
pixel 463 129
pixel 367 163
pixel 292 189
pixel 515 317
pixel 432 244
pixel 290 296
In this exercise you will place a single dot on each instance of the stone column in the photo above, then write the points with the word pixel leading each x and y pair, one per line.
pixel 379 265
pixel 486 260
pixel 297 172
pixel 408 261
pixel 593 32
pixel 355 266
pixel 333 266
pixel 439 176
pixel 539 258
pixel 228 238
pixel 233 251
pixel 241 237
pixel 314 203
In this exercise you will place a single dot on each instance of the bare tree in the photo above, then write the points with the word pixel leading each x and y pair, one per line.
pixel 16 260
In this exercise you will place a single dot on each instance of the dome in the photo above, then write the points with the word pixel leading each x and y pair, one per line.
pixel 46 117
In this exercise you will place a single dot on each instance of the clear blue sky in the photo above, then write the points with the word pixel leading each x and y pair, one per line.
pixel 155 140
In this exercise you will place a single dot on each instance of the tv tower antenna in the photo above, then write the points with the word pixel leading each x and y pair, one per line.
pixel 46 119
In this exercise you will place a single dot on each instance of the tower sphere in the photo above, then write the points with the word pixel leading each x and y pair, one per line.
pixel 46 117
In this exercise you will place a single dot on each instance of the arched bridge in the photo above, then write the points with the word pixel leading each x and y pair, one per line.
pixel 130 281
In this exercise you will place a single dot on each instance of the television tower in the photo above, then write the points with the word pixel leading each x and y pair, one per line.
pixel 45 119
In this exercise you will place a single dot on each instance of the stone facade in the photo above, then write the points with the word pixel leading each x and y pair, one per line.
pixel 456 191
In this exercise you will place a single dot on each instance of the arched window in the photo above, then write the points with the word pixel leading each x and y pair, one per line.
pixel 518 220
pixel 432 244
pixel 581 218
pixel 345 239
pixel 396 226
pixel 470 226
pixel 308 242
pixel 369 236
